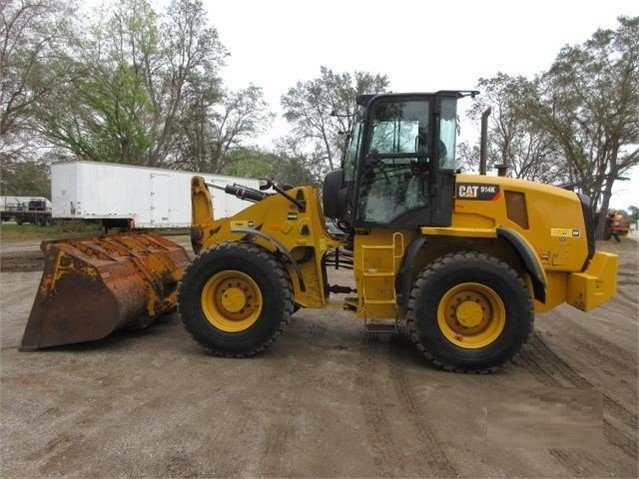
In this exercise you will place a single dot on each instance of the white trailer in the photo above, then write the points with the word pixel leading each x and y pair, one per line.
pixel 134 196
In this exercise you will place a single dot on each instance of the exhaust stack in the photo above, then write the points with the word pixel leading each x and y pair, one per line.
pixel 483 141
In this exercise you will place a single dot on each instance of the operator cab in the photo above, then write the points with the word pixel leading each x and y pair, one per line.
pixel 398 170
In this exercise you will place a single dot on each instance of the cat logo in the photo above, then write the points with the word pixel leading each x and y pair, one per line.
pixel 474 191
pixel 467 191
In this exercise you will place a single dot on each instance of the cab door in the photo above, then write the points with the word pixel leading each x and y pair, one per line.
pixel 406 168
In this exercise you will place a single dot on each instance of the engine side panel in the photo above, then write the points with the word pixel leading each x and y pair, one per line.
pixel 554 224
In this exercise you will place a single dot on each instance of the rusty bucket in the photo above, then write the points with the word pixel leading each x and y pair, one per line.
pixel 93 286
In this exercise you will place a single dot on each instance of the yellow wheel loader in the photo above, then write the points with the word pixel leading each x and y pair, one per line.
pixel 464 260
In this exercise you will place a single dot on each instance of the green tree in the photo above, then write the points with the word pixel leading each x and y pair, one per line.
pixel 212 129
pixel 513 139
pixel 25 178
pixel 589 102
pixel 282 167
pixel 30 30
pixel 129 80
pixel 468 157
pixel 308 107
pixel 30 33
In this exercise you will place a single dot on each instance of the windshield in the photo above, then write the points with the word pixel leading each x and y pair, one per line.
pixel 399 128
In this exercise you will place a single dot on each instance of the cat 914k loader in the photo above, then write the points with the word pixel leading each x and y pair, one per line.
pixel 465 261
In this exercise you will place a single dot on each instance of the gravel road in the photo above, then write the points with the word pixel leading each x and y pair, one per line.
pixel 325 401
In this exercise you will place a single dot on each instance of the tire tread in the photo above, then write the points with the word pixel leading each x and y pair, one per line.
pixel 434 267
pixel 250 250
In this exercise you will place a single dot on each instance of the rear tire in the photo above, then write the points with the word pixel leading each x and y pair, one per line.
pixel 235 299
pixel 469 312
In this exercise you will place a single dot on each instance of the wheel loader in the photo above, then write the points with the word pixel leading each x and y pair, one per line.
pixel 462 262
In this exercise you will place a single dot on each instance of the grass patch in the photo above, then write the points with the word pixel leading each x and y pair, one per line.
pixel 59 229
pixel 168 231
pixel 69 229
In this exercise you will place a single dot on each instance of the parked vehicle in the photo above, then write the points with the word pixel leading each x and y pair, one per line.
pixel 620 225
pixel 26 209
pixel 127 196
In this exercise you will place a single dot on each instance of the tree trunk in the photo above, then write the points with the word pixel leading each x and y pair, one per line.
pixel 603 211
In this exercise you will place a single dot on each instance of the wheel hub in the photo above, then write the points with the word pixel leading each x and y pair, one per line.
pixel 233 299
pixel 469 314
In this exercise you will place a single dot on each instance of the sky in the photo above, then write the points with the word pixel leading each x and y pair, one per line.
pixel 422 45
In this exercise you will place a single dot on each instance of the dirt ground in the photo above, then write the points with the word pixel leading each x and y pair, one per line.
pixel 325 401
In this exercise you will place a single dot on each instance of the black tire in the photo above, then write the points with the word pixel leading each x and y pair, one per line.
pixel 224 325
pixel 469 312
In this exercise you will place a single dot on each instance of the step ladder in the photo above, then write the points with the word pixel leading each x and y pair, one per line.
pixel 381 326
pixel 390 256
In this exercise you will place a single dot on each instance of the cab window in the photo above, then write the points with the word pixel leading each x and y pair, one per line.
pixel 447 133
pixel 395 171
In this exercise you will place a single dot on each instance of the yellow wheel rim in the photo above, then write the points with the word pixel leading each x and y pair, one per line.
pixel 231 301
pixel 471 315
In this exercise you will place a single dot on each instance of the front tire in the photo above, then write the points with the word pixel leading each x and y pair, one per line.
pixel 235 299
pixel 469 312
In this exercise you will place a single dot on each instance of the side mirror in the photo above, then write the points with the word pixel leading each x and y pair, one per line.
pixel 334 195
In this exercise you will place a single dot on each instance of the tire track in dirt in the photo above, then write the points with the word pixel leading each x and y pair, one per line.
pixel 598 347
pixel 578 463
pixel 379 432
pixel 548 368
pixel 549 357
pixel 378 429
pixel 430 446
pixel 276 442
pixel 317 332
pixel 573 460
pixel 628 299
pixel 280 433
pixel 22 262
pixel 627 277
pixel 621 303
pixel 228 465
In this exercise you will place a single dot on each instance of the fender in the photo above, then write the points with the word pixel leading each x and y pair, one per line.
pixel 520 245
pixel 530 260
pixel 403 283
pixel 280 247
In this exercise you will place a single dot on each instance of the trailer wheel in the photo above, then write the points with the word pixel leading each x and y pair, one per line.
pixel 235 299
pixel 469 312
